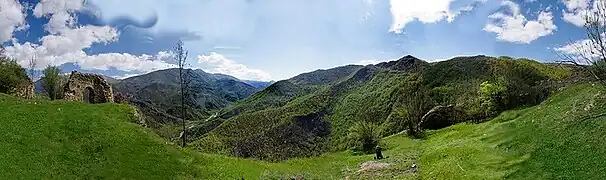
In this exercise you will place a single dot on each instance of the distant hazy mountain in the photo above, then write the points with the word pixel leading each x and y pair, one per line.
pixel 258 84
pixel 157 93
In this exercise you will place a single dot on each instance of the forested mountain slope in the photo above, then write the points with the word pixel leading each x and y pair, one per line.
pixel 312 113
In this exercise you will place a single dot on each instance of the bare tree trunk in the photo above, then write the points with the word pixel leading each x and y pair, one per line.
pixel 184 80
pixel 32 67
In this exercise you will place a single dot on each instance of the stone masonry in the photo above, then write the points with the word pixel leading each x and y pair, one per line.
pixel 91 88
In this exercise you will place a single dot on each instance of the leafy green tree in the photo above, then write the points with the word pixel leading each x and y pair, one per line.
pixel 364 136
pixel 11 74
pixel 396 121
pixel 492 97
pixel 412 102
pixel 417 105
pixel 51 81
pixel 442 94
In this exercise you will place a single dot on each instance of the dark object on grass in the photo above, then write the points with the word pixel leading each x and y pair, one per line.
pixel 379 153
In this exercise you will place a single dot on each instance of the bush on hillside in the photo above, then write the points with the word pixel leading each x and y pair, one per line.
pixel 11 75
pixel 364 136
pixel 396 121
pixel 122 98
pixel 52 82
pixel 508 94
pixel 443 94
pixel 492 97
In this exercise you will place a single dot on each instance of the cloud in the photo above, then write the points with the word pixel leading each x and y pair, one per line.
pixel 581 49
pixel 575 12
pixel 66 42
pixel 12 17
pixel 240 20
pixel 120 61
pixel 228 47
pixel 220 64
pixel 369 62
pixel 514 27
pixel 572 47
pixel 49 7
pixel 125 76
pixel 406 11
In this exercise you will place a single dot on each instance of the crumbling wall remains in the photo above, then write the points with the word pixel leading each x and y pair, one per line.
pixel 25 89
pixel 87 87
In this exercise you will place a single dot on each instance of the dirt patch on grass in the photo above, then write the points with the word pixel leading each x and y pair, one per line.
pixel 373 166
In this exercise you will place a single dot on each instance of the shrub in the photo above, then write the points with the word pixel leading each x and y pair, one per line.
pixel 52 82
pixel 396 121
pixel 442 94
pixel 492 97
pixel 364 136
pixel 122 98
pixel 11 75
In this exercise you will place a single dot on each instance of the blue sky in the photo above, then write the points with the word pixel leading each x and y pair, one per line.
pixel 278 39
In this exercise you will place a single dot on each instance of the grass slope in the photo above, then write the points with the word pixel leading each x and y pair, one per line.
pixel 62 140
pixel 558 139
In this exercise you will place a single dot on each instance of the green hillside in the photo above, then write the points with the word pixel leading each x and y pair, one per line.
pixel 290 120
pixel 557 139
pixel 63 140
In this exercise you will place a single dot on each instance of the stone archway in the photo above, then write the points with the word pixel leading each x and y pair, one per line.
pixel 88 95
pixel 91 88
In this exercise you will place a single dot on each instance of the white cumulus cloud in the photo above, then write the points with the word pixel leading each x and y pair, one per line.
pixel 121 61
pixel 514 27
pixel 575 12
pixel 583 49
pixel 220 64
pixel 66 42
pixel 12 17
pixel 428 11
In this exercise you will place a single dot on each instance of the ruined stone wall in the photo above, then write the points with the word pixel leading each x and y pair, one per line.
pixel 78 83
pixel 25 89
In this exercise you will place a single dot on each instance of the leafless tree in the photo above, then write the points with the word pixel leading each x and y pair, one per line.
pixel 33 62
pixel 2 51
pixel 590 54
pixel 180 57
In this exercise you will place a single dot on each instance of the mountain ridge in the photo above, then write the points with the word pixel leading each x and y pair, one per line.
pixel 333 100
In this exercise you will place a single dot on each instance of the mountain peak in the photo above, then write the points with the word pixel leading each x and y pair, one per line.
pixel 408 57
pixel 402 64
